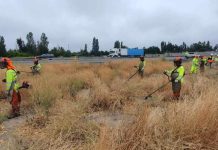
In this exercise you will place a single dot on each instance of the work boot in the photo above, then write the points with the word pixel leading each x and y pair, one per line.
pixel 13 115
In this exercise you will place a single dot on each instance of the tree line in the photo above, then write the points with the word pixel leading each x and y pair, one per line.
pixel 30 48
pixel 168 47
pixel 33 48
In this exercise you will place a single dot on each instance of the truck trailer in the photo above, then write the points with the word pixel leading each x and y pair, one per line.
pixel 126 52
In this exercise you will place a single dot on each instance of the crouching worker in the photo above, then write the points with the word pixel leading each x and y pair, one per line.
pixel 37 67
pixel 12 87
pixel 176 76
pixel 141 66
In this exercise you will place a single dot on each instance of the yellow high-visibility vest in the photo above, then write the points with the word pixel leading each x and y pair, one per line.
pixel 11 80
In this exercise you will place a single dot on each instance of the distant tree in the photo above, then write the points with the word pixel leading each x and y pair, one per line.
pixel 216 47
pixel 85 51
pixel 163 47
pixel 200 46
pixel 103 53
pixel 117 44
pixel 60 51
pixel 31 45
pixel 184 46
pixel 93 44
pixel 95 47
pixel 54 51
pixel 67 53
pixel 152 50
pixel 16 53
pixel 2 46
pixel 209 47
pixel 86 48
pixel 172 48
pixel 21 46
pixel 42 46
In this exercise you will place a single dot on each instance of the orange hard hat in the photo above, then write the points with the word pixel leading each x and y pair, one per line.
pixel 8 62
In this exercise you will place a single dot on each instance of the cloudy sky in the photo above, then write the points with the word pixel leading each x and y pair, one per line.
pixel 137 23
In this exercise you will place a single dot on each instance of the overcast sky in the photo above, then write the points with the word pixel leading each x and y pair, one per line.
pixel 137 23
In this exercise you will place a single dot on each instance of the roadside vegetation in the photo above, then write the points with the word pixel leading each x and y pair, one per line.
pixel 92 106
pixel 33 47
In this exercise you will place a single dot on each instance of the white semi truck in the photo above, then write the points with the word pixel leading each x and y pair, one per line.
pixel 126 52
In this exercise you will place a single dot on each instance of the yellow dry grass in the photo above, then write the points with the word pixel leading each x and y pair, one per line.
pixel 64 96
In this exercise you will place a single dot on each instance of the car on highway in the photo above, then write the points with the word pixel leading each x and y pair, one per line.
pixel 44 56
pixel 190 55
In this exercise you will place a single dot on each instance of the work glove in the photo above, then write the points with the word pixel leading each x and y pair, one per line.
pixel 25 85
pixel 4 80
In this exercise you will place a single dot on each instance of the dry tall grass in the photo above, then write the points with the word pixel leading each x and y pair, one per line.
pixel 64 96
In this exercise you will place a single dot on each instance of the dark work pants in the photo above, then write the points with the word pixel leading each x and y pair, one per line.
pixel 141 73
pixel 176 87
pixel 15 103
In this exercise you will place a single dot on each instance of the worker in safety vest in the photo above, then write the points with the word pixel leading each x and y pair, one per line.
pixel 36 68
pixel 210 60
pixel 12 87
pixel 177 77
pixel 203 62
pixel 195 65
pixel 141 66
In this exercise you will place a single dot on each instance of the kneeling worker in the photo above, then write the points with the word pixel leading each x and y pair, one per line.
pixel 12 87
pixel 177 76
pixel 37 67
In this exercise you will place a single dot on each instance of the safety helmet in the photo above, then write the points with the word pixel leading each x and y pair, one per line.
pixel 3 63
pixel 142 58
pixel 178 61
pixel 6 63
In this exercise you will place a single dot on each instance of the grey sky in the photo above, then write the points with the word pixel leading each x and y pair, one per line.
pixel 137 23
